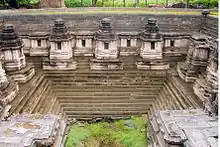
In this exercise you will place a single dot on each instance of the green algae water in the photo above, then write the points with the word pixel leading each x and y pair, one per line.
pixel 122 133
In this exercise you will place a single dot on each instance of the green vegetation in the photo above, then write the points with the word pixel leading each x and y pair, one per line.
pixel 131 3
pixel 122 133
pixel 207 3
pixel 31 2
pixel 117 3
pixel 120 3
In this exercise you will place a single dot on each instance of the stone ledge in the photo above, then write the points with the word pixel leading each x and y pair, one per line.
pixel 23 75
pixel 106 64
pixel 61 65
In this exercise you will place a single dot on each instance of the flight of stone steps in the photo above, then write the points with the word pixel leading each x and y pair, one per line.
pixel 86 94
pixel 176 95
pixel 36 96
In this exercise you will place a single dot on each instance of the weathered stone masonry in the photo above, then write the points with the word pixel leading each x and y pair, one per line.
pixel 125 65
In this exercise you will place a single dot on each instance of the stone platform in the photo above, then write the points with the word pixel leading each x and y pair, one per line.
pixel 7 95
pixel 23 75
pixel 61 65
pixel 32 130
pixel 151 64
pixel 111 64
pixel 183 128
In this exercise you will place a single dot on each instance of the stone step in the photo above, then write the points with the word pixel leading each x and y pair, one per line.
pixel 108 89
pixel 103 76
pixel 56 108
pixel 68 110
pixel 39 94
pixel 107 113
pixel 25 91
pixel 44 101
pixel 87 87
pixel 106 98
pixel 174 100
pixel 186 90
pixel 153 73
pixel 28 101
pixel 102 79
pixel 177 96
pixel 52 102
pixel 167 100
pixel 41 102
pixel 85 117
pixel 101 101
pixel 108 83
pixel 100 93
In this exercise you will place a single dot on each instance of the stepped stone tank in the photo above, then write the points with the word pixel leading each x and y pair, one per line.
pixel 108 66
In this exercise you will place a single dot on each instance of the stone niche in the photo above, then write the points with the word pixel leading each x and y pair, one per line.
pixel 206 87
pixel 60 52
pixel 14 59
pixel 8 91
pixel 128 43
pixel 83 44
pixel 39 44
pixel 197 59
pixel 106 48
pixel 175 44
pixel 151 52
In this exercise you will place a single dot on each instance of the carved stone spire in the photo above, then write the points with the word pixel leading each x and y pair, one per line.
pixel 59 31
pixel 14 59
pixel 12 47
pixel 151 30
pixel 61 54
pixel 106 31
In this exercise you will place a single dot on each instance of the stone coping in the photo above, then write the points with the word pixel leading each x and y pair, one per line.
pixel 109 10
pixel 25 129
pixel 188 127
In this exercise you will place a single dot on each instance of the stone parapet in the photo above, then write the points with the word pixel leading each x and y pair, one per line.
pixel 176 128
pixel 29 130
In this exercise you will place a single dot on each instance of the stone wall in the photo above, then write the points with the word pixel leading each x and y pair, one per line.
pixel 210 26
pixel 122 23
